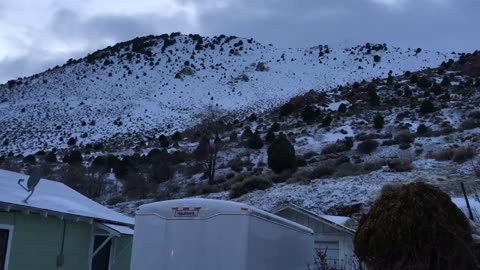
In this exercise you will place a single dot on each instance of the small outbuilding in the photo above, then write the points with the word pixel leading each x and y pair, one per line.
pixel 333 237
pixel 59 228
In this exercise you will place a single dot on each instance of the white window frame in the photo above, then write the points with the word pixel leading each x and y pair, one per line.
pixel 9 228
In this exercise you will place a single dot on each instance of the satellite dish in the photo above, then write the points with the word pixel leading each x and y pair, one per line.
pixel 32 182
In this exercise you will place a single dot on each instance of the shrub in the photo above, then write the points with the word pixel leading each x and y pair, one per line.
pixel 414 78
pixel 99 163
pixel 463 154
pixel 72 141
pixel 367 146
pixel 378 121
pixel 247 133
pixel 177 136
pixel 427 107
pixel 422 130
pixel 30 159
pixel 327 120
pixel 377 58
pixel 342 108
pixel 437 89
pixel 255 141
pixel 407 92
pixel 400 164
pixel 414 226
pixel 275 127
pixel 424 83
pixel 322 171
pixel 374 99
pixel 405 136
pixel 310 114
pixel 281 154
pixel 75 158
pixel 470 123
pixel 287 109
pixel 135 185
pixel 98 146
pixel 51 157
pixel 458 155
pixel 445 81
pixel 163 141
pixel 270 137
pixel 301 162
pixel 333 148
pixel 233 136
pixel 248 185
pixel 348 142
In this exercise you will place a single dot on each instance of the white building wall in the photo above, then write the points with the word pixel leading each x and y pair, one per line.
pixel 325 233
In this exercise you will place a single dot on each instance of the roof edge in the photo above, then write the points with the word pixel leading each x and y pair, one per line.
pixel 313 215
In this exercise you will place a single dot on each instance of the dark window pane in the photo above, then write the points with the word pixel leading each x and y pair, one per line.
pixel 3 247
pixel 102 259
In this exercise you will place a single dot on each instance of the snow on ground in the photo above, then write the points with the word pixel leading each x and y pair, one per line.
pixel 95 102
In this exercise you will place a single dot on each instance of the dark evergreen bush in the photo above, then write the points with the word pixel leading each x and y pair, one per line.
pixel 414 226
pixel 348 143
pixel 75 158
pixel 72 141
pixel 177 136
pixel 30 159
pixel 422 130
pixel 414 78
pixel 287 109
pixel 424 83
pixel 281 155
pixel 377 58
pixel 51 157
pixel 163 141
pixel 342 108
pixel 378 121
pixel 270 137
pixel 427 107
pixel 255 141
pixel 309 114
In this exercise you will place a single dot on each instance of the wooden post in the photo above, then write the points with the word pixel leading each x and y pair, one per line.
pixel 466 200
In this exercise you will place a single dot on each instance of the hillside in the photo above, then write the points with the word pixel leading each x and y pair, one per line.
pixel 349 142
pixel 415 126
pixel 159 84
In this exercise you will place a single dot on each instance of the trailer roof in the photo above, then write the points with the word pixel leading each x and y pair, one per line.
pixel 208 208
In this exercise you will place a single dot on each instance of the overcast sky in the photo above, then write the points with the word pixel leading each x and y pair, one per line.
pixel 38 34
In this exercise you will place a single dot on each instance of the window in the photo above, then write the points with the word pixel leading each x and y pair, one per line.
pixel 5 240
pixel 331 250
pixel 101 261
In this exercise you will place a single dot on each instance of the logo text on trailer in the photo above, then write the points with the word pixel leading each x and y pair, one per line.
pixel 186 213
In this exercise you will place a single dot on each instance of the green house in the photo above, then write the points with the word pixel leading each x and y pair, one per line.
pixel 58 228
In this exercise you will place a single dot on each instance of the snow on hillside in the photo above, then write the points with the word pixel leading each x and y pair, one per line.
pixel 158 84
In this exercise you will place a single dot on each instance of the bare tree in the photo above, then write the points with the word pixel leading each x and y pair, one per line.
pixel 212 124
pixel 206 154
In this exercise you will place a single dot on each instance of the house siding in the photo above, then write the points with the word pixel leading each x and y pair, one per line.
pixel 37 240
pixel 122 253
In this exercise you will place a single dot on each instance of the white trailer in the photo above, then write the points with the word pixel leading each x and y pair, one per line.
pixel 201 234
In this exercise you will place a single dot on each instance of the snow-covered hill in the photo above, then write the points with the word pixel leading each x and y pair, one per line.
pixel 159 83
